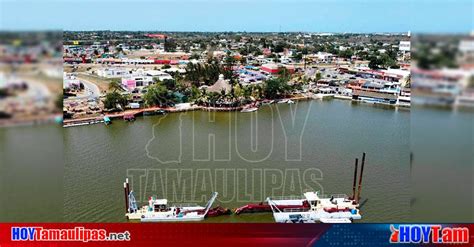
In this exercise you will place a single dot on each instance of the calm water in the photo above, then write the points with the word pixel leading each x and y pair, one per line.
pixel 31 174
pixel 443 165
pixel 279 150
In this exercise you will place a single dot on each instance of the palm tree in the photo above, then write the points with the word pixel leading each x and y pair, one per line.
pixel 115 85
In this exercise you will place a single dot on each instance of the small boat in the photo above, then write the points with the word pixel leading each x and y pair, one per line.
pixel 283 101
pixel 129 117
pixel 290 101
pixel 158 210
pixel 249 109
pixel 268 102
pixel 107 120
pixel 156 112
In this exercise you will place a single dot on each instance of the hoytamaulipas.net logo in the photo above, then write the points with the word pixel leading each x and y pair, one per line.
pixel 435 234
pixel 72 234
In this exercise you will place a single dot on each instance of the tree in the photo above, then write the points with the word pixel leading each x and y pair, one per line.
pixel 243 60
pixel 275 88
pixel 374 63
pixel 194 56
pixel 318 76
pixel 115 99
pixel 170 84
pixel 298 56
pixel 194 93
pixel 382 61
pixel 229 64
pixel 59 102
pixel 115 85
pixel 280 46
pixel 170 45
pixel 158 95
pixel 208 73
pixel 346 53
pixel 237 92
pixel 284 73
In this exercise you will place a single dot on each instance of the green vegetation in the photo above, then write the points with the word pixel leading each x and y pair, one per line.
pixel 382 61
pixel 276 88
pixel 429 57
pixel 115 100
pixel 59 102
pixel 170 45
pixel 161 94
pixel 207 73
pixel 115 85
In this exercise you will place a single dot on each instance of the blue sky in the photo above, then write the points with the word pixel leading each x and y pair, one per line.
pixel 240 15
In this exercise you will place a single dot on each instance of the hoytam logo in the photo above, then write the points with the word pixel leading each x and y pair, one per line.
pixel 435 234
pixel 74 234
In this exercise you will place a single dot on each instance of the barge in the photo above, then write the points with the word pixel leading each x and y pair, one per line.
pixel 158 210
pixel 313 207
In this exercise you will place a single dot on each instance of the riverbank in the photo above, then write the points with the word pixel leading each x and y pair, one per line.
pixel 139 112
pixel 30 121
pixel 189 107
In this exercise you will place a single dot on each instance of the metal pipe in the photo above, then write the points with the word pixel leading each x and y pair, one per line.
pixel 360 178
pixel 128 187
pixel 355 180
pixel 126 197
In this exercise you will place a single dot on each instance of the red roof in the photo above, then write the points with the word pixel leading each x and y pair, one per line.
pixel 157 36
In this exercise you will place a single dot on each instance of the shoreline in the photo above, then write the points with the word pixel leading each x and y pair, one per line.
pixel 139 112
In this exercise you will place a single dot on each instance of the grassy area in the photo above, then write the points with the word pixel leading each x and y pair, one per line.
pixel 102 83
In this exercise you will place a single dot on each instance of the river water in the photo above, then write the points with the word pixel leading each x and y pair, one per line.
pixel 280 150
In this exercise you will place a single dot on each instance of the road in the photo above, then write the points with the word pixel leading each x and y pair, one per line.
pixel 92 91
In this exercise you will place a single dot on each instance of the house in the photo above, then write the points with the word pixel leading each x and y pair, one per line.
pixel 273 68
pixel 270 68
pixel 160 75
pixel 220 85
pixel 113 72
pixel 135 81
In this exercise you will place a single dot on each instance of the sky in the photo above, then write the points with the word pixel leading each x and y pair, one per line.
pixel 356 16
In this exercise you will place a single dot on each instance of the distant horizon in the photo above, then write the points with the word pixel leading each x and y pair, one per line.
pixel 276 32
pixel 260 16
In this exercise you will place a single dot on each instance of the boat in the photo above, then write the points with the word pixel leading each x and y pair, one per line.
pixel 404 101
pixel 158 210
pixel 313 207
pixel 343 97
pixel 249 109
pixel 129 117
pixel 287 101
pixel 155 112
pixel 321 209
pixel 107 120
pixel 268 102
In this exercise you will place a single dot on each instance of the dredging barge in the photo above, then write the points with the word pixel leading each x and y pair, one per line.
pixel 158 210
pixel 313 207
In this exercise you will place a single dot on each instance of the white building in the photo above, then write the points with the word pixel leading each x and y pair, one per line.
pixel 113 72
pixel 158 74
pixel 404 46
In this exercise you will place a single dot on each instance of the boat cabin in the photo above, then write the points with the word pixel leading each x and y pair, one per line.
pixel 158 205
